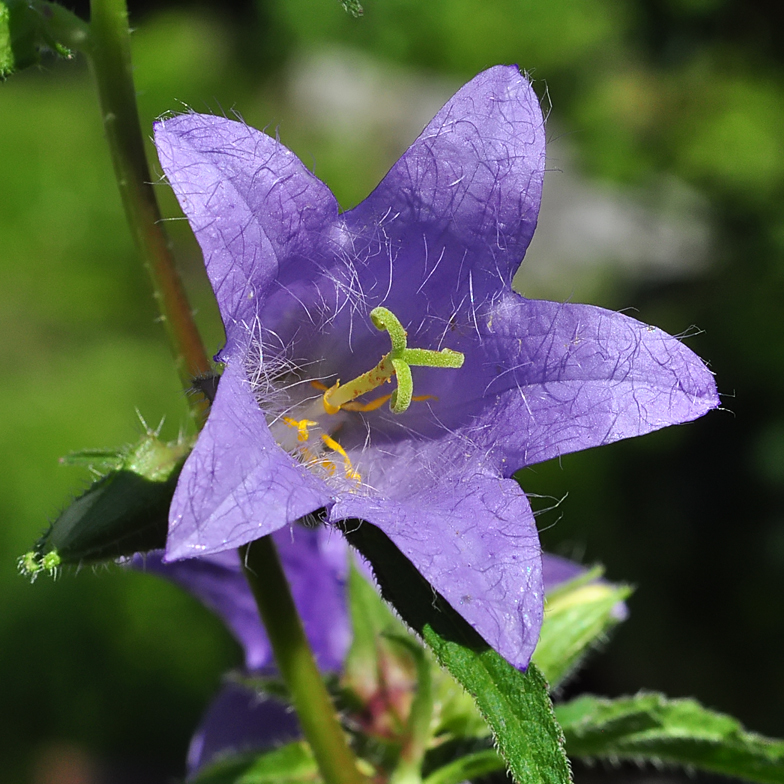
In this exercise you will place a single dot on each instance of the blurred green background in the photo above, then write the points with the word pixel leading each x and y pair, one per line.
pixel 665 195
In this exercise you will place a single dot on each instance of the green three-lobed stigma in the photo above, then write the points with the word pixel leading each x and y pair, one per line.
pixel 397 362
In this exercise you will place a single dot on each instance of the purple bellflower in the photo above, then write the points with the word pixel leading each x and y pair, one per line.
pixel 435 246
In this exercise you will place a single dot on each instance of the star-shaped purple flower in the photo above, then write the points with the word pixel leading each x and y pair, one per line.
pixel 437 244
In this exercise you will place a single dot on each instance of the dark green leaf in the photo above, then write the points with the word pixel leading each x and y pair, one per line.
pixel 651 728
pixel 515 704
pixel 290 764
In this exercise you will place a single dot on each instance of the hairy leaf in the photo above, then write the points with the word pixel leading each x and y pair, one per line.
pixel 652 728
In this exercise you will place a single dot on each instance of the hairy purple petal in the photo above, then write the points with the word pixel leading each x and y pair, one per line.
pixel 217 581
pixel 260 216
pixel 453 218
pixel 543 379
pixel 475 542
pixel 238 484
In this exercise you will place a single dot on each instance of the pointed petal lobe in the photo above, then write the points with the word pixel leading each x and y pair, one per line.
pixel 259 215
pixel 238 721
pixel 543 379
pixel 476 543
pixel 316 564
pixel 238 484
pixel 454 216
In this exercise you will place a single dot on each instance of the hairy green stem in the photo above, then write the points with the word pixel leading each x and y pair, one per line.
pixel 417 737
pixel 110 53
pixel 109 50
pixel 296 663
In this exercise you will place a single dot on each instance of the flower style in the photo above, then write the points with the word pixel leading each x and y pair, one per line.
pixel 435 245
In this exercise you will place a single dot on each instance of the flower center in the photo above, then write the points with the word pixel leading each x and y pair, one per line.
pixel 397 362
pixel 343 397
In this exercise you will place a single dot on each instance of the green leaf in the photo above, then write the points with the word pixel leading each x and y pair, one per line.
pixel 578 616
pixel 652 728
pixel 290 764
pixel 124 512
pixel 515 704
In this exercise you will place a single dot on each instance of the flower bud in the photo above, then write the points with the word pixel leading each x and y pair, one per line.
pixel 124 512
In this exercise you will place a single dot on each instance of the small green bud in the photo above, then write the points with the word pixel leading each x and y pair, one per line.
pixel 578 616
pixel 124 512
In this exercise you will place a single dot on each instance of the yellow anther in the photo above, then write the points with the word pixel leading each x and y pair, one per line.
pixel 302 426
pixel 371 406
pixel 379 401
pixel 311 460
pixel 327 465
pixel 336 447
pixel 328 407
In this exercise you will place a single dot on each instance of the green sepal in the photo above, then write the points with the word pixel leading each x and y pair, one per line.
pixel 290 764
pixel 99 461
pixel 19 25
pixel 376 668
pixel 578 616
pixel 29 26
pixel 652 728
pixel 515 704
pixel 124 512
pixel 376 658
